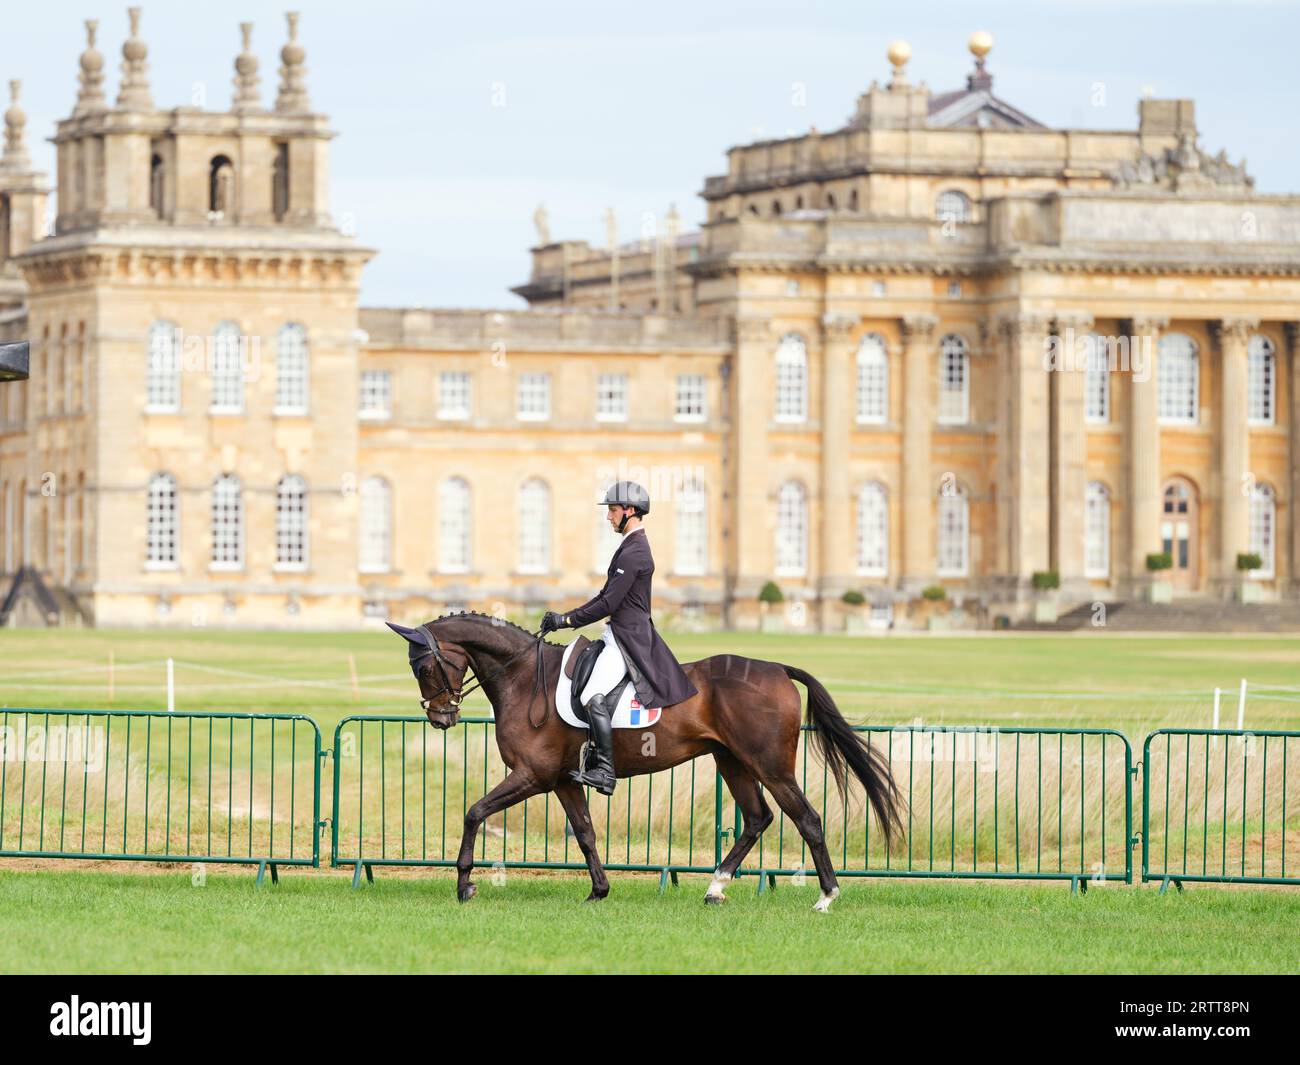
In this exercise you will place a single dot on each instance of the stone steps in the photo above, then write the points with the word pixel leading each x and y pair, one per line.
pixel 1183 615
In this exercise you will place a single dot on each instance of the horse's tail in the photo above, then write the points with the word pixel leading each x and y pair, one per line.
pixel 840 744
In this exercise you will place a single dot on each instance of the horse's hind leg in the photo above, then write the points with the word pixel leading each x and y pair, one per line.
pixel 574 801
pixel 757 814
pixel 788 795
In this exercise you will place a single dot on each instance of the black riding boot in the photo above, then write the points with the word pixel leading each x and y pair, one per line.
pixel 599 771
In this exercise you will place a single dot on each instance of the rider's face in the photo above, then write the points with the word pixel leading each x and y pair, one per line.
pixel 614 514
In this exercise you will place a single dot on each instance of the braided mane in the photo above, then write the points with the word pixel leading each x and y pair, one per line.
pixel 494 620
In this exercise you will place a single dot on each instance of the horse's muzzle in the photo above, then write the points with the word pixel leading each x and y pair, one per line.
pixel 442 719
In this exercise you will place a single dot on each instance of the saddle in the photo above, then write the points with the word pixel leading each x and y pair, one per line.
pixel 582 660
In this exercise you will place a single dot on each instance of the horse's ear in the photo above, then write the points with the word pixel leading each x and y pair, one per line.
pixel 415 636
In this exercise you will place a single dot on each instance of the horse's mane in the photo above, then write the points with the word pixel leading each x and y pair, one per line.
pixel 493 620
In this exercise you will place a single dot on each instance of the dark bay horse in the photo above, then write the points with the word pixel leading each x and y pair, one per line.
pixel 745 713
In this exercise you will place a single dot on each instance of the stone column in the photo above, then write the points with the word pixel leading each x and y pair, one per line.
pixel 1069 453
pixel 751 412
pixel 837 511
pixel 1293 503
pixel 1232 336
pixel 1027 498
pixel 920 373
pixel 1143 448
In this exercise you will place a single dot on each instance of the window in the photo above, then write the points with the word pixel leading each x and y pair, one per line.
pixel 954 533
pixel 791 530
pixel 1177 376
pixel 161 523
pixel 534 397
pixel 791 379
pixel 611 397
pixel 291 523
pixel 454 526
pixel 227 370
pixel 453 395
pixel 163 377
pixel 691 398
pixel 1262 376
pixel 1096 531
pixel 1096 381
pixel 376 394
pixel 291 370
pixel 952 205
pixel 227 523
pixel 157 184
pixel 954 381
pixel 873 530
pixel 1263 531
pixel 221 187
pixel 691 519
pixel 534 527
pixel 280 182
pixel 376 553
pixel 873 380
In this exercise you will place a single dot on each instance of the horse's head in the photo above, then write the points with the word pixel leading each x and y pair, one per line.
pixel 439 668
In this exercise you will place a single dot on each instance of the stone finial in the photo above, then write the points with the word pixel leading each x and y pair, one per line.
pixel 980 44
pixel 134 93
pixel 293 86
pixel 90 98
pixel 672 224
pixel 247 98
pixel 899 53
pixel 15 157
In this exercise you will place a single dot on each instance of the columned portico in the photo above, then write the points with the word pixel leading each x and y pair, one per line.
pixel 1142 447
pixel 1233 336
pixel 837 512
pixel 751 414
pixel 1069 444
pixel 1027 498
pixel 918 491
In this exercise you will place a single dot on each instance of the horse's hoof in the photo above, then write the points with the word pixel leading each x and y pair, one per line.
pixel 823 904
pixel 715 900
pixel 593 897
pixel 466 893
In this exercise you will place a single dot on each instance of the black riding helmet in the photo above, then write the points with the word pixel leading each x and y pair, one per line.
pixel 627 494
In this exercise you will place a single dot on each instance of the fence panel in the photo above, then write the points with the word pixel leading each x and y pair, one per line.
pixel 1018 803
pixel 149 785
pixel 1217 806
pixel 401 791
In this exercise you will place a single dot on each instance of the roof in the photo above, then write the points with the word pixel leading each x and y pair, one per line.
pixel 976 106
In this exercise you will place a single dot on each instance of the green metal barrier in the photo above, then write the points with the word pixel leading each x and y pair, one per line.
pixel 145 785
pixel 1050 804
pixel 1217 805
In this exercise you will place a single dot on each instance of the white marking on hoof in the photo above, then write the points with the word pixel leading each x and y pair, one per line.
pixel 714 894
pixel 823 904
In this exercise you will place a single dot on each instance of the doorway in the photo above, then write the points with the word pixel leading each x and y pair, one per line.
pixel 1179 527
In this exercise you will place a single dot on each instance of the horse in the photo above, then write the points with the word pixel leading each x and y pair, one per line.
pixel 745 713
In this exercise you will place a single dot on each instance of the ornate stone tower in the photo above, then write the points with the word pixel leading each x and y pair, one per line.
pixel 194 327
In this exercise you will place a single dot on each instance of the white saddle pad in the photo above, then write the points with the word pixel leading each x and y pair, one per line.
pixel 628 714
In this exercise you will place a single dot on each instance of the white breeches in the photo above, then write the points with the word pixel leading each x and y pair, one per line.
pixel 608 671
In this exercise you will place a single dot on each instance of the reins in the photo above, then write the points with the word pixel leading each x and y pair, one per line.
pixel 540 679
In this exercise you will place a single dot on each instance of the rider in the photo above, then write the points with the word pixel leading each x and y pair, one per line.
pixel 631 643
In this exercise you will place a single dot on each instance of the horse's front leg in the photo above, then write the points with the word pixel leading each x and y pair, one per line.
pixel 517 786
pixel 574 801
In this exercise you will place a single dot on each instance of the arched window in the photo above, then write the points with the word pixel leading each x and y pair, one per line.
pixel 954 381
pixel 534 527
pixel 776 208
pixel 163 374
pixel 830 201
pixel 1262 377
pixel 221 186
pixel 952 205
pixel 873 380
pixel 791 530
pixel 280 182
pixel 291 369
pixel 455 528
pixel 1178 378
pixel 1263 531
pixel 227 523
pixel 1096 530
pixel 954 532
pixel 227 369
pixel 1096 381
pixel 376 499
pixel 853 200
pixel 157 173
pixel 873 530
pixel 291 523
pixel 791 379
pixel 691 519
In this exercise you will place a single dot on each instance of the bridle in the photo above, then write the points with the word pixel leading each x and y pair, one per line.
pixel 456 695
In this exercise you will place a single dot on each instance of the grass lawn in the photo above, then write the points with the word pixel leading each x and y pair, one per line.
pixel 108 922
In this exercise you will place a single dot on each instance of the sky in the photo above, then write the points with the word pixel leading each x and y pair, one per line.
pixel 456 120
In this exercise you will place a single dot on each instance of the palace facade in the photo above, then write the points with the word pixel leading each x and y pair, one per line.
pixel 942 346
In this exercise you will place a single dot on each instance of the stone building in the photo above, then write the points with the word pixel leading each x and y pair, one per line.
pixel 944 345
